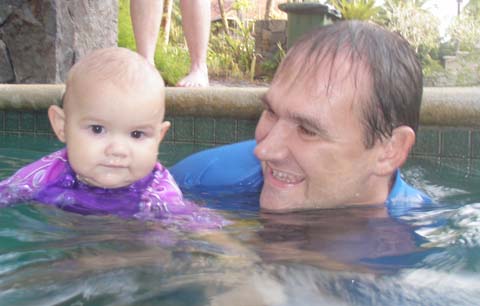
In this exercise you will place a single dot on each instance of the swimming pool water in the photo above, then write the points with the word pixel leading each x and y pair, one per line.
pixel 329 257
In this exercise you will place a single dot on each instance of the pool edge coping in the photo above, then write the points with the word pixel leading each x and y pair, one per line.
pixel 441 106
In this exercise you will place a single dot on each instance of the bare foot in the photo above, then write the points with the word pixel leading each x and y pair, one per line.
pixel 196 78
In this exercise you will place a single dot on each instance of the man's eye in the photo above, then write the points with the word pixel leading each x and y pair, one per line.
pixel 137 134
pixel 269 112
pixel 306 131
pixel 97 129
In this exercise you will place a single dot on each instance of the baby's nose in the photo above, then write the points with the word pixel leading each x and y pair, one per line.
pixel 116 148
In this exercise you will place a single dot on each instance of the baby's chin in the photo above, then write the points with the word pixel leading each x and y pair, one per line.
pixel 105 183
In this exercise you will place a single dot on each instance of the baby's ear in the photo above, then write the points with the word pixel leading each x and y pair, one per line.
pixel 164 129
pixel 56 115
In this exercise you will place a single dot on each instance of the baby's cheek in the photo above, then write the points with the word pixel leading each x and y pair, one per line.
pixel 147 160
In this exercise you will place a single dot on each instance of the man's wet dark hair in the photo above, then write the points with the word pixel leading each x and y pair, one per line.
pixel 396 81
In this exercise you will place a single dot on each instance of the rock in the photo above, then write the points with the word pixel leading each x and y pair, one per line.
pixel 44 38
pixel 6 72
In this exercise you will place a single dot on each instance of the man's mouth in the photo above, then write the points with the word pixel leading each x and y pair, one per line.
pixel 285 177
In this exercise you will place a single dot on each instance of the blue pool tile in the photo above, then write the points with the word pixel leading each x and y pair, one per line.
pixel 475 167
pixel 455 143
pixel 427 142
pixel 12 121
pixel 2 121
pixel 204 130
pixel 246 129
pixel 476 144
pixel 41 123
pixel 184 129
pixel 27 122
pixel 225 131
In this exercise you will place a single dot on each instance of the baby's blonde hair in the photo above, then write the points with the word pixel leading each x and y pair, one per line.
pixel 119 66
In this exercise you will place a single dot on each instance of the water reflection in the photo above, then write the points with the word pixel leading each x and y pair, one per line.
pixel 335 238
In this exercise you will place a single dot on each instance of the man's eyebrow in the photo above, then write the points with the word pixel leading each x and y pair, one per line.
pixel 311 124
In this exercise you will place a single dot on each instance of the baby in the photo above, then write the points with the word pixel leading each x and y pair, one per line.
pixel 112 123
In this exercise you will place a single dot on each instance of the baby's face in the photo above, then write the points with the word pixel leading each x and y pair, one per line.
pixel 112 133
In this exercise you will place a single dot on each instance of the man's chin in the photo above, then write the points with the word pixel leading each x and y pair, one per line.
pixel 273 204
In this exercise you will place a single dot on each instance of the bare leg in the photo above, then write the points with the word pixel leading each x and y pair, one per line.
pixel 146 16
pixel 196 26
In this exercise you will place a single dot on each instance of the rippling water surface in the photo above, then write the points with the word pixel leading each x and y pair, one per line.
pixel 346 256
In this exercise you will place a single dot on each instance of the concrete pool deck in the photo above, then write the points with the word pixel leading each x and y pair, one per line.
pixel 441 106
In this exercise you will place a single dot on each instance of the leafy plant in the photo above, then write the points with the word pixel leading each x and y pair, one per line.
pixel 419 4
pixel 231 55
pixel 465 32
pixel 269 66
pixel 473 9
pixel 125 31
pixel 415 24
pixel 356 9
pixel 172 62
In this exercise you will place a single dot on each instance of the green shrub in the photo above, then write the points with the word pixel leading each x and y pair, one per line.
pixel 465 32
pixel 233 54
pixel 356 9
pixel 270 65
pixel 173 63
pixel 125 30
pixel 430 67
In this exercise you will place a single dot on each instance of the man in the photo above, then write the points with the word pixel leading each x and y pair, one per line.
pixel 339 120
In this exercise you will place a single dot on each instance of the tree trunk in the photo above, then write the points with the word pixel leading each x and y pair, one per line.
pixel 268 9
pixel 166 20
pixel 221 6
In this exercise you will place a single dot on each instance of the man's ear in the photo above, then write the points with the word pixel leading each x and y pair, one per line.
pixel 394 150
pixel 56 115
pixel 164 129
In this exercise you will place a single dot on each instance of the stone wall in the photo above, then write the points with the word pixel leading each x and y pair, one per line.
pixel 269 35
pixel 41 39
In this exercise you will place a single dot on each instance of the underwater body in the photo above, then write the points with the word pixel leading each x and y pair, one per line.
pixel 345 256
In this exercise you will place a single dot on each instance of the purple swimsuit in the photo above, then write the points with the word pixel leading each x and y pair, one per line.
pixel 51 180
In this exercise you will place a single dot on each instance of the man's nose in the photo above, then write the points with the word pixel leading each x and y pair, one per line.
pixel 274 145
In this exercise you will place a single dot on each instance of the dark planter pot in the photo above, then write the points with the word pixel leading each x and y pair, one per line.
pixel 303 17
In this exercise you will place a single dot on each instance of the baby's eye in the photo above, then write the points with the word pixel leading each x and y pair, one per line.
pixel 306 131
pixel 97 129
pixel 137 134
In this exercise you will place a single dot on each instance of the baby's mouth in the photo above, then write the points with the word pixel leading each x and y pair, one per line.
pixel 114 164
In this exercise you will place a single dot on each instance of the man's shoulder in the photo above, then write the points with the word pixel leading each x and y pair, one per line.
pixel 228 165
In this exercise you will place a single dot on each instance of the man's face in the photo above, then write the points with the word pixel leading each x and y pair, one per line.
pixel 311 143
pixel 113 134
